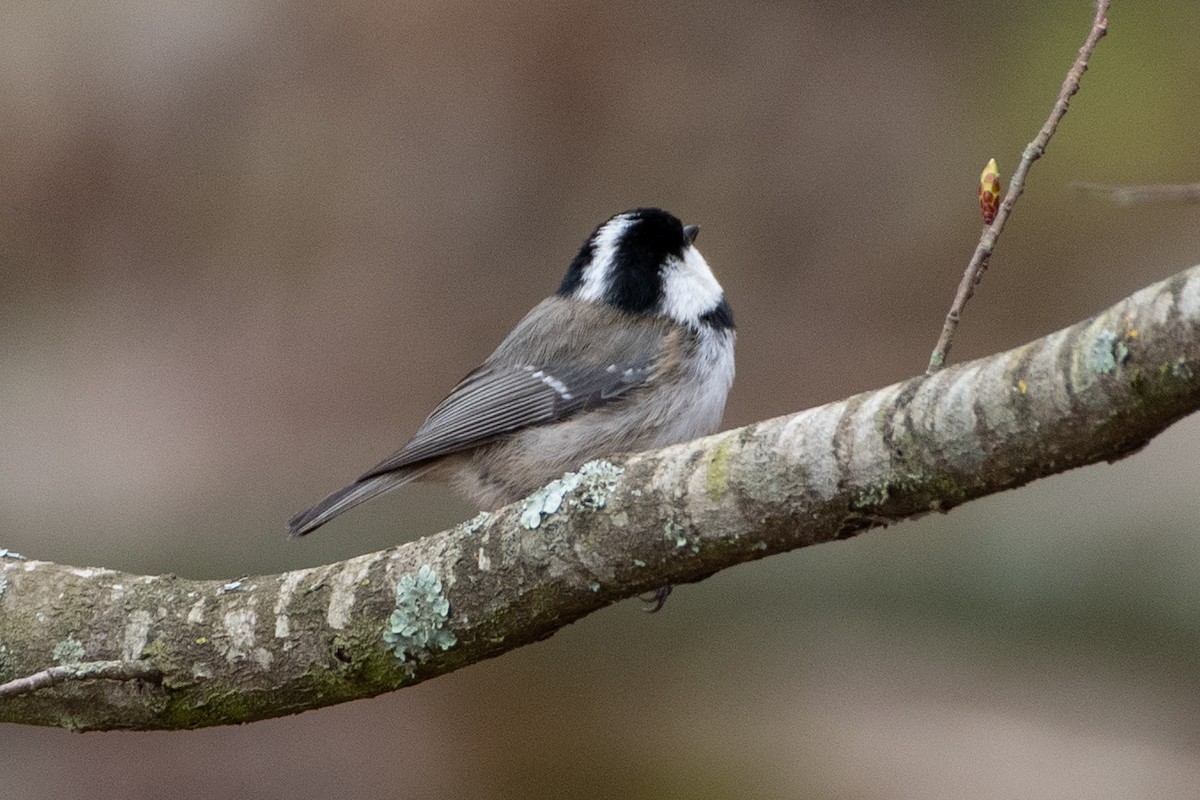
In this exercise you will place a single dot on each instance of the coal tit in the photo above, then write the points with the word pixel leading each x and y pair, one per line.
pixel 634 352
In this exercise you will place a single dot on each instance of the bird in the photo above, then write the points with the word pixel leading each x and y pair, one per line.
pixel 634 351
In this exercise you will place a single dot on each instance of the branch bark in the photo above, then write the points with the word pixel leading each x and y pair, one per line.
pixel 212 652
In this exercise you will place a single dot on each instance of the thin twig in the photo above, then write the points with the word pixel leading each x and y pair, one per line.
pixel 86 671
pixel 1033 151
pixel 1148 193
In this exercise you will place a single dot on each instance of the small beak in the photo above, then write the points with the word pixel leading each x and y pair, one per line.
pixel 691 232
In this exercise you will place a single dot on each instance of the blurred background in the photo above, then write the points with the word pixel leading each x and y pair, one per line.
pixel 246 248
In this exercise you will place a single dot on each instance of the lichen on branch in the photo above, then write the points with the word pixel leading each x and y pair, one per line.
pixel 195 653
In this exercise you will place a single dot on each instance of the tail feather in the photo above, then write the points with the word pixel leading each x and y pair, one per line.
pixel 345 499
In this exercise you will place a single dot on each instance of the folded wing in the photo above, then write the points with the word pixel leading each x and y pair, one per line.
pixel 497 400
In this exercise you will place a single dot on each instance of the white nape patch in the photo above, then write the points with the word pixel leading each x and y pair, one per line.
pixel 604 248
pixel 554 383
pixel 689 289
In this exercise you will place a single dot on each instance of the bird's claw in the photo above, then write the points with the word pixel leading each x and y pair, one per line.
pixel 655 600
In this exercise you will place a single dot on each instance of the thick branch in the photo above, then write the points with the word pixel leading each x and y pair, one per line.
pixel 277 644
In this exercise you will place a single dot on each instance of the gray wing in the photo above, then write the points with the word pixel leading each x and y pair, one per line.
pixel 564 358
pixel 492 401
pixel 497 400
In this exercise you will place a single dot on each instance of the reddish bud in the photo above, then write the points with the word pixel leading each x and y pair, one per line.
pixel 989 192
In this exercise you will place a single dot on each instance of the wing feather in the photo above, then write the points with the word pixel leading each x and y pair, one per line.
pixel 541 373
pixel 494 401
pixel 538 375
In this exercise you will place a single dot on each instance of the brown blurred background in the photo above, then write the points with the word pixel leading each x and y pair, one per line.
pixel 244 249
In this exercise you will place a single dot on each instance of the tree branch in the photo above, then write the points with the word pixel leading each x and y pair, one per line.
pixel 1033 151
pixel 1126 195
pixel 90 670
pixel 277 644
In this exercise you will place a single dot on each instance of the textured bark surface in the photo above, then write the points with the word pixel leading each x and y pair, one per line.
pixel 212 652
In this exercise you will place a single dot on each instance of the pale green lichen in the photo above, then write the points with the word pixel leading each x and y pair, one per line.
pixel 674 532
pixel 417 625
pixel 871 497
pixel 1180 369
pixel 475 523
pixel 592 485
pixel 599 482
pixel 548 500
pixel 1101 356
pixel 68 651
pixel 1106 352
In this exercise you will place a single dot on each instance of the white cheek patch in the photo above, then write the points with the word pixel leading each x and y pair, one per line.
pixel 689 289
pixel 596 274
